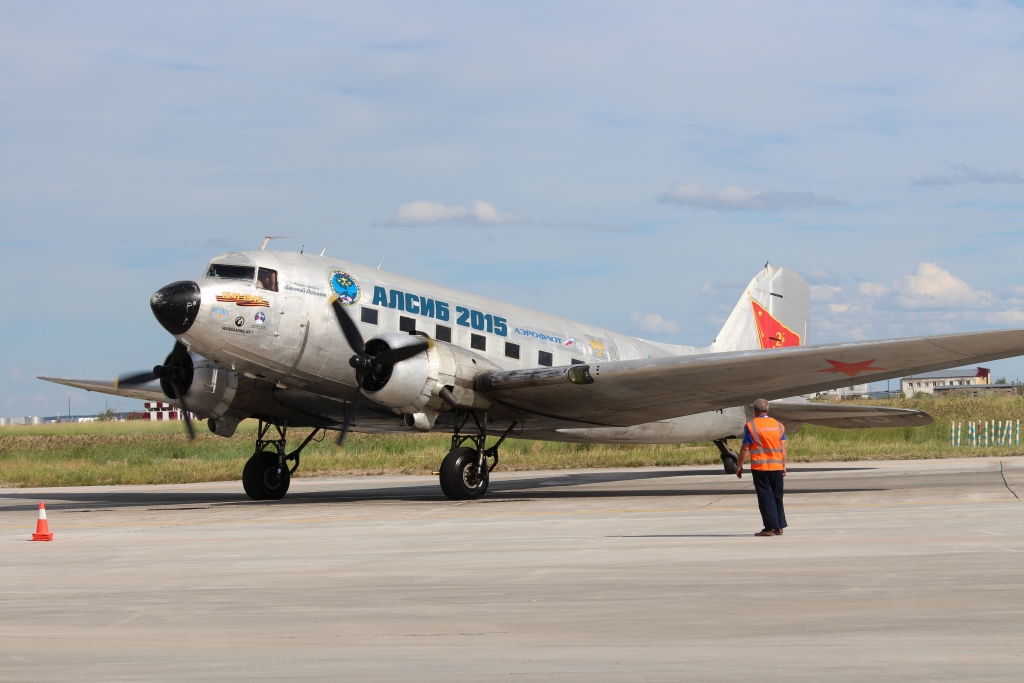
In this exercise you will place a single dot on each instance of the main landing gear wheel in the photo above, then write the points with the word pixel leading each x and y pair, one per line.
pixel 267 474
pixel 461 476
pixel 265 477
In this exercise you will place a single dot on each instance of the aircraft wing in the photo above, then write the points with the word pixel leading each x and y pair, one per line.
pixel 626 393
pixel 150 391
pixel 846 416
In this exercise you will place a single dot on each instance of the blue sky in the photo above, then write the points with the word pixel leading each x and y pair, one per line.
pixel 627 165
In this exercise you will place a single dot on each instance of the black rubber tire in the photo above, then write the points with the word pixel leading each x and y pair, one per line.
pixel 445 477
pixel 458 465
pixel 442 478
pixel 729 463
pixel 260 478
pixel 250 478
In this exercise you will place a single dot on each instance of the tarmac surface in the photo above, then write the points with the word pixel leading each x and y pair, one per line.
pixel 888 571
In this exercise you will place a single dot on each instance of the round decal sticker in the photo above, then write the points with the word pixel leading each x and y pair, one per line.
pixel 344 285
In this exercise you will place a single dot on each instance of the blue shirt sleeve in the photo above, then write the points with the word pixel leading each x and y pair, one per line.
pixel 748 440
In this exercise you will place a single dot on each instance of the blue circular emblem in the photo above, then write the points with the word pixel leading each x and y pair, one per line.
pixel 344 285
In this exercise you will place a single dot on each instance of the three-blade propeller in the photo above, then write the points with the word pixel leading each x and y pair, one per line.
pixel 366 363
pixel 175 376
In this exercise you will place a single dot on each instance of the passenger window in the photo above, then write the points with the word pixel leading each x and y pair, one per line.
pixel 544 358
pixel 407 324
pixel 443 333
pixel 511 350
pixel 478 342
pixel 368 316
pixel 267 279
pixel 231 272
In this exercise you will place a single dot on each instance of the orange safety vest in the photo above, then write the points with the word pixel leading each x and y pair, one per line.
pixel 766 451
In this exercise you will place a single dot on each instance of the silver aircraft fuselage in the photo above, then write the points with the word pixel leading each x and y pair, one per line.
pixel 280 332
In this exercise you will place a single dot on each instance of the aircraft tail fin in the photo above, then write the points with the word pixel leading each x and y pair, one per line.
pixel 774 311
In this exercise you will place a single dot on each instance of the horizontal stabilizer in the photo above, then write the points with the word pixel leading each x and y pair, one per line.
pixel 847 416
pixel 150 391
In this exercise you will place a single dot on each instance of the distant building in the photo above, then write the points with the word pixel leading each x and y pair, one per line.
pixel 156 410
pixel 944 381
pixel 29 420
pixel 842 393
pixel 982 390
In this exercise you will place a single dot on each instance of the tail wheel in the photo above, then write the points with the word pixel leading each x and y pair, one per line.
pixel 464 479
pixel 264 479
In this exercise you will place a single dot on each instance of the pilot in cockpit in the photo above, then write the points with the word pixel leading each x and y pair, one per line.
pixel 267 279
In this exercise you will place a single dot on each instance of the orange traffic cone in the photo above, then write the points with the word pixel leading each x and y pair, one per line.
pixel 42 526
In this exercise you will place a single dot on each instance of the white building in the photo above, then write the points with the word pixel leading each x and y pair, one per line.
pixel 842 393
pixel 928 382
pixel 29 420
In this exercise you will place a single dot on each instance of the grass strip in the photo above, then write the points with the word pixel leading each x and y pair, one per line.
pixel 158 453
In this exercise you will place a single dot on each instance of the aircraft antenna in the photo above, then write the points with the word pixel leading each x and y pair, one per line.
pixel 325 248
pixel 381 261
pixel 301 251
pixel 267 238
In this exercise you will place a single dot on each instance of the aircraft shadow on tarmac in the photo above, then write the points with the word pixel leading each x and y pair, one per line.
pixel 682 536
pixel 554 486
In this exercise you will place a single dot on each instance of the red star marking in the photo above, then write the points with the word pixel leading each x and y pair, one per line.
pixel 850 369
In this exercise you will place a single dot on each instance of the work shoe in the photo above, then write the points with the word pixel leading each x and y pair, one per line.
pixel 778 532
pixel 765 532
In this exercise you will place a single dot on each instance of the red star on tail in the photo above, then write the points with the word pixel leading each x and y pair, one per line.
pixel 850 369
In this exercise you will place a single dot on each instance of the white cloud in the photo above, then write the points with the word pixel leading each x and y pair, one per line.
pixel 1012 317
pixel 871 289
pixel 962 174
pixel 822 293
pixel 934 287
pixel 15 374
pixel 430 213
pixel 839 308
pixel 737 198
pixel 652 322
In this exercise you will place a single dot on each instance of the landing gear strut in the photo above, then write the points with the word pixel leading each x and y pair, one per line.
pixel 266 475
pixel 730 458
pixel 465 472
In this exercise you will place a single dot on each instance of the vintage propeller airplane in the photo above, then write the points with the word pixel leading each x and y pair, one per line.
pixel 296 340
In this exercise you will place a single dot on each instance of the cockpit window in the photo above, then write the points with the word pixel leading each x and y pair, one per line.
pixel 267 279
pixel 231 272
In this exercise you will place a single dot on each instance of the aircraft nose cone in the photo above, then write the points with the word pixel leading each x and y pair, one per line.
pixel 176 306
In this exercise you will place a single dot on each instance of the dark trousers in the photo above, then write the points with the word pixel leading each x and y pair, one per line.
pixel 768 486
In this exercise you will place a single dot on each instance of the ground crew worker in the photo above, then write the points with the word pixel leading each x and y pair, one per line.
pixel 764 439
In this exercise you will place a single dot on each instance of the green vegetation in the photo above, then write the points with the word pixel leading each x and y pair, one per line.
pixel 158 452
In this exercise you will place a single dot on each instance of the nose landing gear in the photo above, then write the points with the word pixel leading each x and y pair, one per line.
pixel 465 472
pixel 267 475
pixel 729 456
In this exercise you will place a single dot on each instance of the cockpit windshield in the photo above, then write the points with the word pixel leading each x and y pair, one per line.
pixel 231 272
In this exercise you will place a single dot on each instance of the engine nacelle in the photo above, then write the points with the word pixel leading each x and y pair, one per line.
pixel 214 391
pixel 414 385
pixel 406 385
